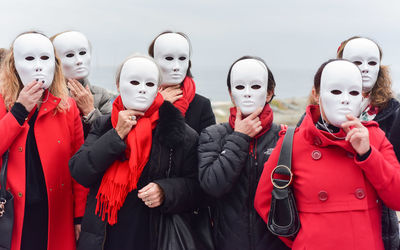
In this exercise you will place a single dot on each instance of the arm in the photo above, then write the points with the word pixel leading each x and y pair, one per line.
pixel 382 169
pixel 79 192
pixel 182 193
pixel 100 150
pixel 262 200
pixel 221 166
pixel 104 107
pixel 207 117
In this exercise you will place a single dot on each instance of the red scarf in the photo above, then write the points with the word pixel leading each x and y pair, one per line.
pixel 122 177
pixel 266 118
pixel 189 90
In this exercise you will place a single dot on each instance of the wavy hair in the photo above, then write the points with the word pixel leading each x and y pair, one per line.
pixel 11 84
pixel 381 93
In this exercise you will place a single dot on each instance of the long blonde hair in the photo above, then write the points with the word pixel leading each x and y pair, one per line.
pixel 381 93
pixel 11 85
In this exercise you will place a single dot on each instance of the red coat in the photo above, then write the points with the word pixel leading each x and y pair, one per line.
pixel 58 137
pixel 338 197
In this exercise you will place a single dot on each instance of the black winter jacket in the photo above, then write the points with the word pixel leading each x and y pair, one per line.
pixel 199 114
pixel 103 146
pixel 230 172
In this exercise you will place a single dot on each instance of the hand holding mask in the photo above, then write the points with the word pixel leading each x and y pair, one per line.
pixel 30 95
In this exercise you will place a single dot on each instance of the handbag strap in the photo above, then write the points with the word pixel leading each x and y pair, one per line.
pixel 3 175
pixel 284 165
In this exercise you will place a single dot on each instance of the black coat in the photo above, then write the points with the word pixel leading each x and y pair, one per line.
pixel 199 114
pixel 229 172
pixel 387 122
pixel 103 146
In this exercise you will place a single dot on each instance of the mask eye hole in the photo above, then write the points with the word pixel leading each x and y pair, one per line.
pixel 336 92
pixel 135 83
pixel 354 93
pixel 182 58
pixel 239 87
pixel 150 84
pixel 372 63
pixel 358 63
pixel 29 58
pixel 169 58
pixel 44 57
pixel 82 53
pixel 255 86
pixel 70 55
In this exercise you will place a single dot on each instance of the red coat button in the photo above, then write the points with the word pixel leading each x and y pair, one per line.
pixel 316 154
pixel 317 141
pixel 323 195
pixel 359 193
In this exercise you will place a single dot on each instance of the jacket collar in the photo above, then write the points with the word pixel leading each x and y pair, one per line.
pixel 323 138
pixel 392 106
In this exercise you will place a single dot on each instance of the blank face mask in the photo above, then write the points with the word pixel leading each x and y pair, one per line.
pixel 365 54
pixel 249 85
pixel 138 83
pixel 340 91
pixel 171 52
pixel 34 59
pixel 74 51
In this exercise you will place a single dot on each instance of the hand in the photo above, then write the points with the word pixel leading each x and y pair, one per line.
pixel 77 231
pixel 171 93
pixel 251 125
pixel 82 96
pixel 127 119
pixel 357 135
pixel 152 195
pixel 30 95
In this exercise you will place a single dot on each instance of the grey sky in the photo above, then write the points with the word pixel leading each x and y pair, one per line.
pixel 294 37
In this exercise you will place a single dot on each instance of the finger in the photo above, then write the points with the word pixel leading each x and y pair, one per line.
pixel 238 114
pixel 258 124
pixel 87 89
pixel 36 88
pixel 349 135
pixel 350 124
pixel 73 85
pixel 30 85
pixel 145 188
pixel 130 112
pixel 350 117
pixel 255 114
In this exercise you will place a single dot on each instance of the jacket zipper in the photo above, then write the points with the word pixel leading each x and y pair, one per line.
pixel 251 180
pixel 105 235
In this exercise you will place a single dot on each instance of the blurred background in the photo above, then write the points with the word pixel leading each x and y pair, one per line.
pixel 293 37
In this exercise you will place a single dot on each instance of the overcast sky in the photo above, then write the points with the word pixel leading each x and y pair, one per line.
pixel 294 37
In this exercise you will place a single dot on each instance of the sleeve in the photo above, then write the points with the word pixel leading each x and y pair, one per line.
pixel 99 151
pixel 104 107
pixel 262 200
pixel 79 192
pixel 181 193
pixel 220 166
pixel 9 128
pixel 207 117
pixel 382 169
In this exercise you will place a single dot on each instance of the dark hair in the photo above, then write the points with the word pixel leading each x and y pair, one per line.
pixel 151 47
pixel 381 93
pixel 271 80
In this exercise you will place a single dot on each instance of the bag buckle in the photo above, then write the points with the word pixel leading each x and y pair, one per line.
pixel 2 206
pixel 281 170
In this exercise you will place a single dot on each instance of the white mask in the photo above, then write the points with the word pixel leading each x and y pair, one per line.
pixel 249 85
pixel 172 54
pixel 74 51
pixel 138 83
pixel 34 59
pixel 365 54
pixel 340 91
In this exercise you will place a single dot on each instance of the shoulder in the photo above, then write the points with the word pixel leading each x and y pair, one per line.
pixel 216 131
pixel 102 124
pixel 96 90
pixel 200 101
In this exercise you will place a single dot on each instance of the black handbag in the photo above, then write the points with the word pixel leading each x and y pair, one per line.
pixel 176 231
pixel 6 208
pixel 283 218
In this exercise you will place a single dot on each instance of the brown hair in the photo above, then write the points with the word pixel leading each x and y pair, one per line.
pixel 3 53
pixel 11 84
pixel 151 47
pixel 271 80
pixel 381 93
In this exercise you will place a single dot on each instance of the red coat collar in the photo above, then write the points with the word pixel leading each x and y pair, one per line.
pixel 322 138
